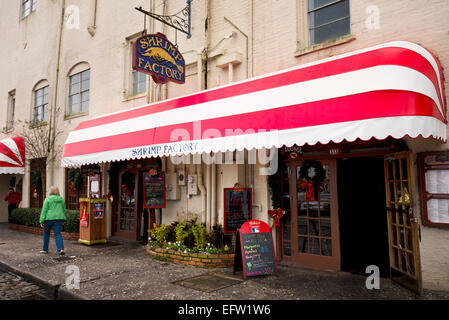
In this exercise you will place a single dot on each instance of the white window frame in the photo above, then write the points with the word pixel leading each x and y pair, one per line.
pixel 330 4
pixel 80 93
pixel 302 31
pixel 27 6
pixel 128 79
pixel 139 82
pixel 45 90
pixel 11 110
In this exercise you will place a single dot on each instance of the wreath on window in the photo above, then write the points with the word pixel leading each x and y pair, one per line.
pixel 75 180
pixel 127 184
pixel 311 175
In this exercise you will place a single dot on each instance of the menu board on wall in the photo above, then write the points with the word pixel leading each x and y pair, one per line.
pixel 434 183
pixel 238 208
pixel 154 189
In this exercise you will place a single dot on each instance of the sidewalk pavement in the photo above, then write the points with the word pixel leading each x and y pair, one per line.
pixel 123 270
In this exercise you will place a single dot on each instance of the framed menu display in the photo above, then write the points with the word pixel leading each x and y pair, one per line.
pixel 154 189
pixel 434 187
pixel 93 186
pixel 238 206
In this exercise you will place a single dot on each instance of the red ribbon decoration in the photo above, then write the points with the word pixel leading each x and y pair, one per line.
pixel 308 186
pixel 71 188
pixel 83 214
pixel 276 215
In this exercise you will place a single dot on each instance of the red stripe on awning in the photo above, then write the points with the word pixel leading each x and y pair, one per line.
pixel 375 105
pixel 12 155
pixel 391 81
pixel 384 56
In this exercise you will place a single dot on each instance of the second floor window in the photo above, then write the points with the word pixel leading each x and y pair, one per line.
pixel 11 110
pixel 328 19
pixel 28 6
pixel 139 82
pixel 79 92
pixel 40 109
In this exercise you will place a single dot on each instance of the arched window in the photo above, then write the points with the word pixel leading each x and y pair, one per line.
pixel 40 101
pixel 79 89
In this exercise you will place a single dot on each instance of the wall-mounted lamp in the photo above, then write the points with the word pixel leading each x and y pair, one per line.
pixel 231 35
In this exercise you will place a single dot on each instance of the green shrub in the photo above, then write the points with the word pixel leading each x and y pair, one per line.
pixel 218 238
pixel 160 233
pixel 191 236
pixel 181 233
pixel 30 217
pixel 200 234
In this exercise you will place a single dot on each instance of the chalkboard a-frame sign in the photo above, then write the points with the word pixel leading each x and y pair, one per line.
pixel 254 250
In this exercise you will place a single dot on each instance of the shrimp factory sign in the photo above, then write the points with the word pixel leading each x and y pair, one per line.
pixel 155 55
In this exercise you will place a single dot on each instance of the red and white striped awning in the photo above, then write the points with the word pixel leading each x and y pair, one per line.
pixel 394 89
pixel 12 156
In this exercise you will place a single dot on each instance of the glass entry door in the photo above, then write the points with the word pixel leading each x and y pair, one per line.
pixel 127 206
pixel 403 228
pixel 314 215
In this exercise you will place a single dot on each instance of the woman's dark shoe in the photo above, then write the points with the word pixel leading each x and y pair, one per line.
pixel 61 252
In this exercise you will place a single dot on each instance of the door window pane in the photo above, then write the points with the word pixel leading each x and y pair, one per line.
pixel 326 247
pixel 302 226
pixel 314 228
pixel 287 248
pixel 315 246
pixel 303 244
pixel 325 227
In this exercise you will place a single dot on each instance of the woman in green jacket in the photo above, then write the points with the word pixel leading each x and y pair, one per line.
pixel 53 215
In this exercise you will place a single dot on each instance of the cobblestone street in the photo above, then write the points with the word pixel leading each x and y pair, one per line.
pixel 13 287
pixel 124 271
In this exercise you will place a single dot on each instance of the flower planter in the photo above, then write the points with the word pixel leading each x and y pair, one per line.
pixel 220 260
pixel 40 231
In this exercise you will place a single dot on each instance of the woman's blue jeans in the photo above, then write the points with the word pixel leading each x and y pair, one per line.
pixel 56 226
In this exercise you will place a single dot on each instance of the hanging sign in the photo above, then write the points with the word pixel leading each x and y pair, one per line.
pixel 254 250
pixel 238 208
pixel 154 189
pixel 293 152
pixel 155 55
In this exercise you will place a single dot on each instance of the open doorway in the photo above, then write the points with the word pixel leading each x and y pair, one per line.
pixel 362 215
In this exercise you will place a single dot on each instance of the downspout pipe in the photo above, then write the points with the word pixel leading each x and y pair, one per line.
pixel 93 19
pixel 213 208
pixel 199 172
pixel 52 122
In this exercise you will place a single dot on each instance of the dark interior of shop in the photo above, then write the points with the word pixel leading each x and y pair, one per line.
pixel 362 215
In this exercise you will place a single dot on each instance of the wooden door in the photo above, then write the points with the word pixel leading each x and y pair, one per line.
pixel 403 228
pixel 314 215
pixel 127 226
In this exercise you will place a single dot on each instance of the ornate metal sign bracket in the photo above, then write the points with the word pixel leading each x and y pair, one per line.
pixel 180 21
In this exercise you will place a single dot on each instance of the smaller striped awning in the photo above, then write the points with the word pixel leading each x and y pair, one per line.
pixel 394 90
pixel 12 156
